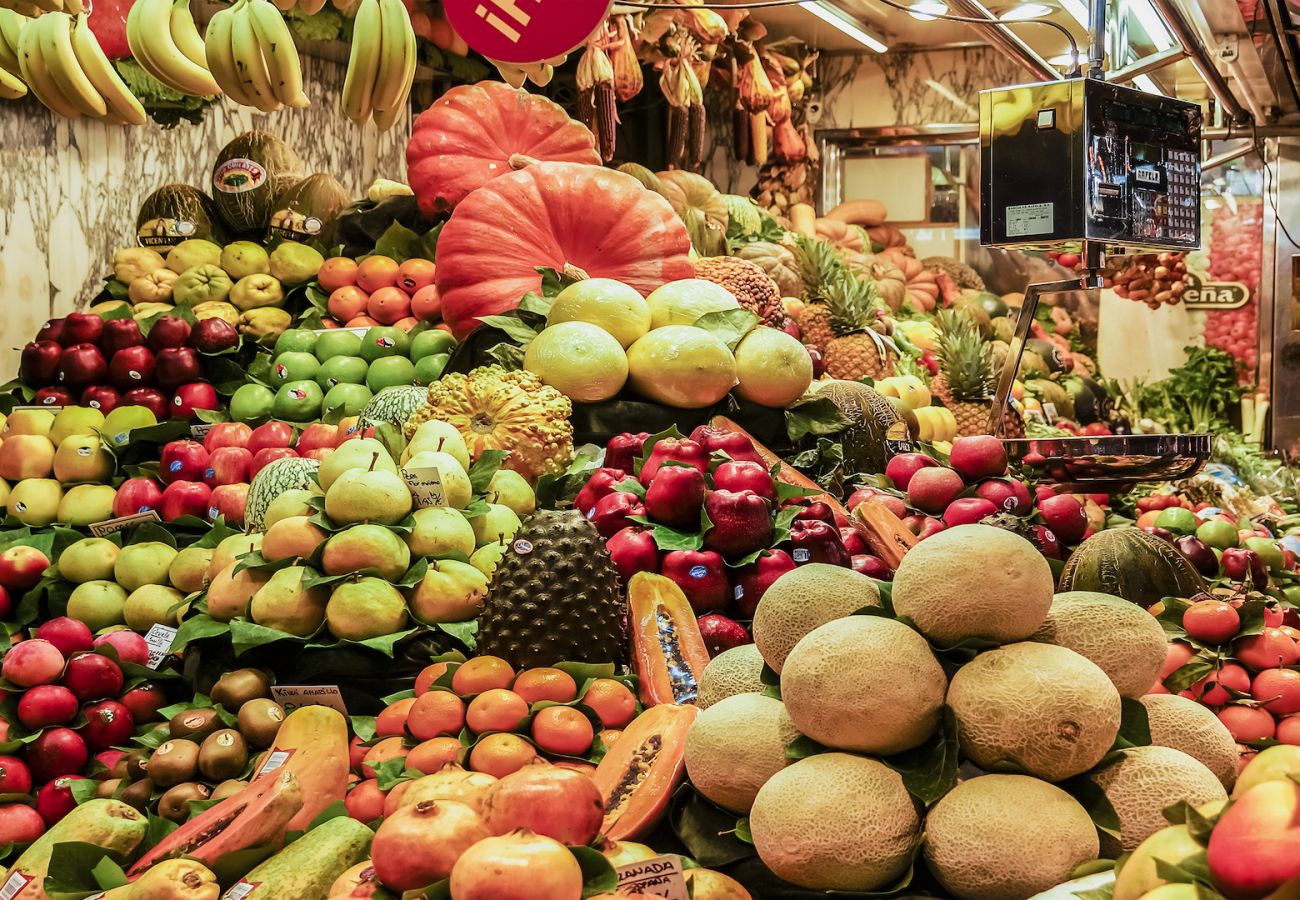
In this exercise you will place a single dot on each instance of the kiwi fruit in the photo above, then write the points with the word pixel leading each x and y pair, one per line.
pixel 223 754
pixel 174 762
pixel 138 794
pixel 227 789
pixel 194 724
pixel 259 720
pixel 107 789
pixel 137 764
pixel 236 688
pixel 174 804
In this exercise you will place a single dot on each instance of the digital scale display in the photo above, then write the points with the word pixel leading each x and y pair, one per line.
pixel 1146 117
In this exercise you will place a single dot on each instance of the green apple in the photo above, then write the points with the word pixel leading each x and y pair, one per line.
pixel 389 371
pixel 512 490
pixel 35 501
pixel 89 559
pixel 350 398
pixel 298 401
pixel 295 263
pixel 244 258
pixel 384 340
pixel 439 531
pixel 201 284
pixel 337 343
pixel 360 453
pixel 429 369
pixel 254 291
pixel 1217 534
pixel 75 420
pixel 295 340
pixel 431 343
pixel 119 423
pixel 97 603
pixel 153 604
pixel 293 366
pixel 341 370
pixel 143 563
pixel 455 483
pixel 194 252
pixel 85 504
pixel 251 403
pixel 436 434
pixel 497 525
pixel 81 458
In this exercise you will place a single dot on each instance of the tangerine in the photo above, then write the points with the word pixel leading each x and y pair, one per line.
pixel 610 736
pixel 392 721
pixel 436 713
pixel 496 709
pixel 501 754
pixel 337 272
pixel 482 673
pixel 432 755
pixel 407 323
pixel 375 272
pixel 562 730
pixel 611 701
pixel 546 683
pixel 347 302
pixel 389 305
pixel 415 274
pixel 428 675
pixel 365 802
pixel 388 748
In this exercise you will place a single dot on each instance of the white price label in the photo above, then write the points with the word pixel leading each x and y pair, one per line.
pixel 292 696
pixel 1049 410
pixel 274 760
pixel 159 639
pixel 660 875
pixel 14 886
pixel 241 889
pixel 122 523
pixel 200 431
pixel 426 486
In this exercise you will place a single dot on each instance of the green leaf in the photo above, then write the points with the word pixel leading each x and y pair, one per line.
pixel 83 790
pixel 598 876
pixel 485 467
pixel 670 538
pixel 246 635
pixel 108 874
pixel 743 832
pixel 648 447
pixel 709 833
pixel 803 747
pixel 515 328
pixel 1134 728
pixel 197 628
pixel 728 325
pixel 930 770
pixel 363 727
pixel 535 303
pixel 631 486
pixel 509 356
pixel 1251 614
pixel 72 869
pixel 553 282
pixel 1189 673
pixel 815 415
pixel 398 242
pixel 334 811
pixel 1093 799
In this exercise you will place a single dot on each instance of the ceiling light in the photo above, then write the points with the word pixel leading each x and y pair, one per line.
pixel 843 22
pixel 927 10
pixel 1152 24
pixel 1022 11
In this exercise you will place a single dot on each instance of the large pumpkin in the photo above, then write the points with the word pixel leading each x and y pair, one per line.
pixel 561 215
pixel 477 132
pixel 922 287
pixel 701 208
pixel 891 283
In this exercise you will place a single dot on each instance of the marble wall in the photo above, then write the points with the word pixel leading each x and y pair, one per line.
pixel 69 190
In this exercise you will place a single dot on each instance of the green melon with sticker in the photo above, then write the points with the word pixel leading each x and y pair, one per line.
pixel 307 868
pixel 250 173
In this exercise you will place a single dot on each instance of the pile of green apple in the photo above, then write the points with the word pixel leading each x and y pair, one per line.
pixel 333 373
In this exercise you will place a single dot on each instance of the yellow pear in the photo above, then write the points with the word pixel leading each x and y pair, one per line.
pixel 283 604
pixel 85 504
pixel 82 458
pixel 229 593
pixel 365 608
pixel 450 591
pixel 367 495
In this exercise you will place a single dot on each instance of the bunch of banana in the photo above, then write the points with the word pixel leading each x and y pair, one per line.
pixel 33 8
pixel 166 43
pixel 252 56
pixel 381 67
pixel 61 61
pixel 11 25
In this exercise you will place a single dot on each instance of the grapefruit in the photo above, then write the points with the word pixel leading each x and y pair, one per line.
pixel 774 369
pixel 608 304
pixel 681 366
pixel 684 302
pixel 580 360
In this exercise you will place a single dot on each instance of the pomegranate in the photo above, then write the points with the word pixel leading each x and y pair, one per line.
pixel 1065 516
pixel 108 724
pixel 520 865
pixel 902 467
pixel 978 456
pixel 1007 494
pixel 554 802
pixel 46 705
pixel 144 700
pixel 93 676
pixel 968 511
pixel 20 824
pixel 58 751
pixel 420 844
pixel 451 782
pixel 55 800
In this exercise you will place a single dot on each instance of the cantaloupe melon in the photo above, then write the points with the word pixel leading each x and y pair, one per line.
pixel 1039 708
pixel 731 672
pixel 835 822
pixel 804 598
pixel 1006 837
pixel 974 581
pixel 1123 639
pixel 735 746
pixel 864 683
pixel 1188 726
pixel 1141 782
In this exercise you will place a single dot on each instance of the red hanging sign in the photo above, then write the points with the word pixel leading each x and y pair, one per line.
pixel 525 31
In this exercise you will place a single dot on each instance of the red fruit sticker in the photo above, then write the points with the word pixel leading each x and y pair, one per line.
pixel 525 31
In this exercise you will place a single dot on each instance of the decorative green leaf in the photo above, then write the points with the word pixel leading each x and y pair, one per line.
pixel 803 747
pixel 816 416
pixel 363 727
pixel 728 325
pixel 515 328
pixel 598 876
pixel 1189 673
pixel 1134 728
pixel 553 282
pixel 398 242
pixel 930 770
pixel 709 833
pixel 485 467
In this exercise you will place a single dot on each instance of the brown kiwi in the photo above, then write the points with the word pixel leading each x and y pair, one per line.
pixel 174 762
pixel 138 794
pixel 228 789
pixel 236 688
pixel 175 803
pixel 107 789
pixel 194 724
pixel 259 720
pixel 137 764
pixel 223 755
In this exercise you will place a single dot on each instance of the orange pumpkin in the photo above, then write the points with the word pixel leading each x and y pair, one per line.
pixel 563 215
pixel 477 132
pixel 922 286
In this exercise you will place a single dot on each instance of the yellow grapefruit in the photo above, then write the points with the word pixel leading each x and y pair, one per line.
pixel 681 366
pixel 683 302
pixel 605 303
pixel 578 359
pixel 774 369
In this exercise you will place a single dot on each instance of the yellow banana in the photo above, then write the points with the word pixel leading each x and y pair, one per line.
pixel 10 25
pixel 185 34
pixel 278 50
pixel 122 104
pixel 56 47
pixel 363 62
pixel 37 76
pixel 219 53
pixel 250 65
pixel 149 35
pixel 387 118
pixel 11 86
pixel 395 25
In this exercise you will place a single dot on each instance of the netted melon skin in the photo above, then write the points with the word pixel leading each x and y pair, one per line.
pixel 735 746
pixel 735 671
pixel 1123 639
pixel 1038 708
pixel 806 598
pixel 1142 782
pixel 1192 728
pixel 1007 837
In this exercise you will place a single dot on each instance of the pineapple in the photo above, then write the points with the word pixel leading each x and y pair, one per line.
pixel 820 266
pixel 855 351
pixel 965 383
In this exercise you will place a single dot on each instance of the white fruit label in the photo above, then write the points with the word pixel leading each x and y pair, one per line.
pixel 274 760
pixel 740 591
pixel 122 523
pixel 1049 410
pixel 426 486
pixel 200 431
pixel 17 881
pixel 660 875
pixel 292 696
pixel 801 555
pixel 159 639
pixel 241 889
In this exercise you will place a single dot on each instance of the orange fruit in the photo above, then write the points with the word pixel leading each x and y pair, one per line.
pixel 392 721
pixel 611 701
pixel 389 305
pixel 375 272
pixel 356 753
pixel 426 304
pixel 436 713
pixel 337 272
pixel 428 676
pixel 609 736
pixel 482 673
pixel 388 748
pixel 562 730
pixel 496 709
pixel 365 802
pixel 432 755
pixel 347 302
pixel 406 324
pixel 501 754
pixel 415 274
pixel 545 683
pixel 360 322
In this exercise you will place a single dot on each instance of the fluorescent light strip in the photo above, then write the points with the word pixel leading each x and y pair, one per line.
pixel 841 21
pixel 1152 24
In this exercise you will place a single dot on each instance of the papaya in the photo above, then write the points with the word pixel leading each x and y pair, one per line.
pixel 639 774
pixel 312 743
pixel 668 650
pixel 308 868
pixel 110 824
pixel 257 816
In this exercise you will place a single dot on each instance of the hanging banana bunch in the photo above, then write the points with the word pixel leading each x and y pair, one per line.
pixel 780 110
pixel 12 85
pixel 166 43
pixel 628 78
pixel 597 96
pixel 381 67
pixel 61 62
pixel 33 8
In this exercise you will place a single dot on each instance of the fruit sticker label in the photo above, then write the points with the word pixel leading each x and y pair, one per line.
pixel 292 225
pixel 165 232
pixel 660 875
pixel 16 882
pixel 426 486
pixel 274 760
pixel 525 31
pixel 122 523
pixel 241 889
pixel 236 176
pixel 200 431
pixel 159 639
pixel 292 696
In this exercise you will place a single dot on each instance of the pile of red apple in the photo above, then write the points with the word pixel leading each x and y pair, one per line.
pixel 83 359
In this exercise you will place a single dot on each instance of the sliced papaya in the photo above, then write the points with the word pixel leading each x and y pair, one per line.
pixel 639 774
pixel 667 647
pixel 312 743
pixel 255 817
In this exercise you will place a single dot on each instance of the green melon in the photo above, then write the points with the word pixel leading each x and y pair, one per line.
pixel 175 213
pixel 875 431
pixel 291 473
pixel 308 210
pixel 1129 563
pixel 393 405
pixel 250 172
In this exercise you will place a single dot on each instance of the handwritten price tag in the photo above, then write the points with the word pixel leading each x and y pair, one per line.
pixel 159 639
pixel 659 875
pixel 292 696
pixel 426 486
pixel 122 523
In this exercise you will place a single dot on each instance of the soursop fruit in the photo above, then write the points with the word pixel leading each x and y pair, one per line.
pixel 555 597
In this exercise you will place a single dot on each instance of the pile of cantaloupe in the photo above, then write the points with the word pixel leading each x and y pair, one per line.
pixel 1037 711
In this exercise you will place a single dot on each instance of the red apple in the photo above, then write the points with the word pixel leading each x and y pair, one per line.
pixel 675 497
pixel 1007 494
pixel 168 331
pixel 53 396
pixel 21 567
pixel 684 451
pixel 1042 492
pixel 931 489
pixel 270 434
pixel 753 580
pixel 57 752
pixel 185 498
pixel 175 366
pixel 968 511
pixel 872 567
pixel 267 455
pixel 93 676
pixel 183 461
pixel 118 335
pixel 612 514
pixel 192 396
pixel 813 540
pixel 702 576
pixel 101 397
pixel 81 328
pixel 744 475
pixel 213 335
pixel 817 511
pixel 318 454
pixel 978 456
pixel 633 550
pixel 227 434
pixel 1065 516
pixel 46 705
pixel 721 634
pixel 902 467
pixel 151 399
pixel 6 606
pixel 853 541
pixel 81 366
pixel 862 495
pixel 228 501
pixel 317 436
pixel 39 364
pixel 68 635
pixel 137 495
pixel 723 440
pixel 623 450
pixel 52 330
pixel 228 465
pixel 130 647
pixel 742 523
pixel 599 484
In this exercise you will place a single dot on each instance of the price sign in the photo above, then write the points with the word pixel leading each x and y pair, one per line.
pixel 426 486
pixel 200 431
pixel 1202 294
pixel 292 696
pixel 659 875
pixel 159 640
pixel 525 31
pixel 122 523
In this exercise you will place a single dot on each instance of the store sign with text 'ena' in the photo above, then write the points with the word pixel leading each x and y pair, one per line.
pixel 525 31
pixel 1202 294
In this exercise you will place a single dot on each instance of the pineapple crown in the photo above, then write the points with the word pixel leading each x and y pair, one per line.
pixel 965 360
pixel 820 265
pixel 852 303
